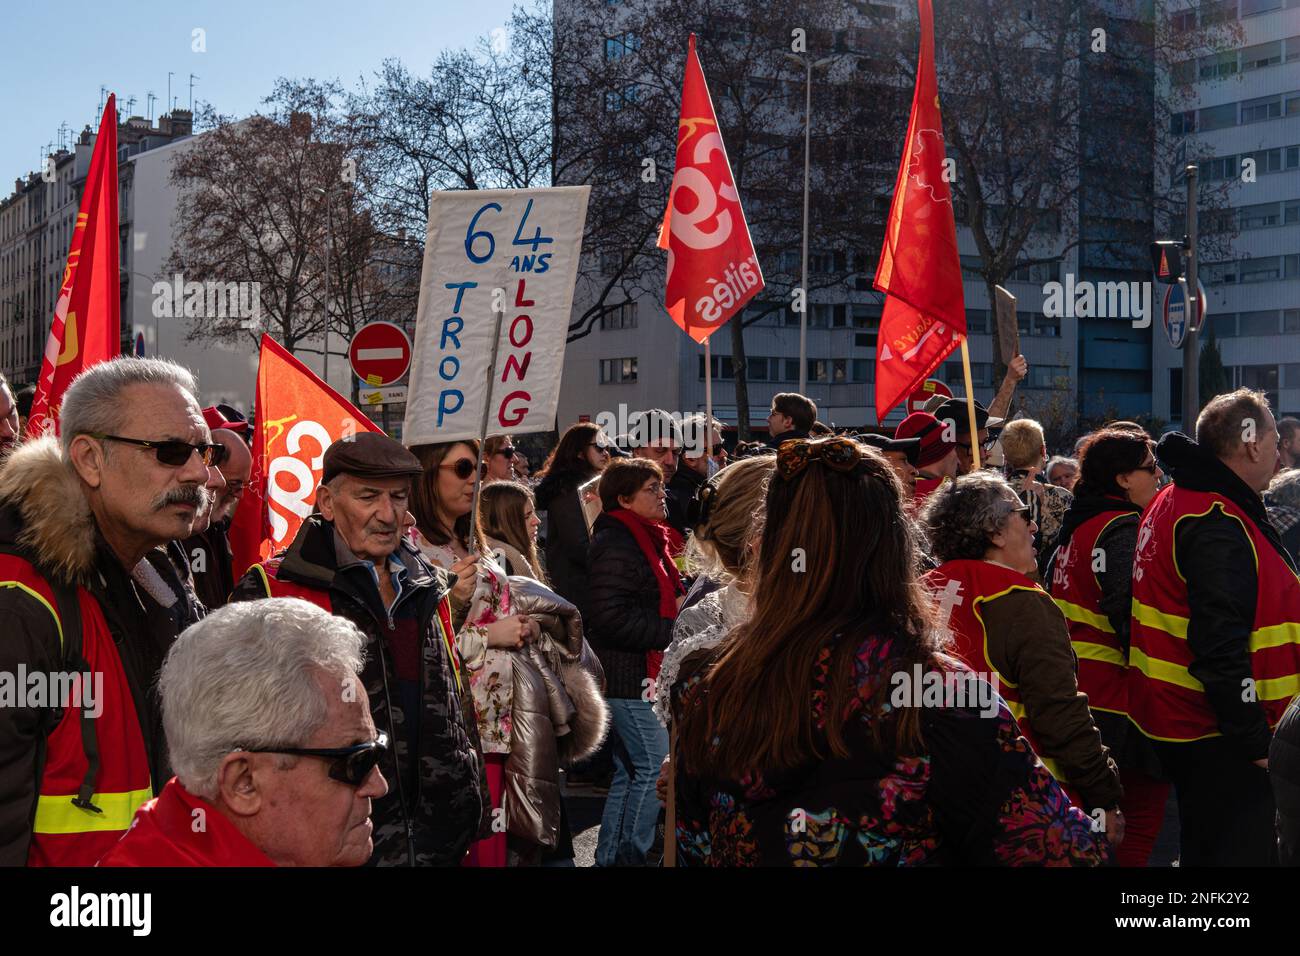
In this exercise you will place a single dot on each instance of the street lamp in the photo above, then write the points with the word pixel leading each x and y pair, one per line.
pixel 329 226
pixel 810 64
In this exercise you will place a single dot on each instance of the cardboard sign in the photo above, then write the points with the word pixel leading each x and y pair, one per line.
pixel 1008 330
pixel 488 251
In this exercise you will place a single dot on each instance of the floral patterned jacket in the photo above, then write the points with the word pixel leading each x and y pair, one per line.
pixel 976 795
pixel 490 669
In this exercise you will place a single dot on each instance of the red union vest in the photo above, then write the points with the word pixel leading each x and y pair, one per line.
pixel 1165 701
pixel 1103 664
pixel 63 833
pixel 276 588
pixel 965 586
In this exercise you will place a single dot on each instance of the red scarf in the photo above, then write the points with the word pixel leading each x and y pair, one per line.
pixel 654 538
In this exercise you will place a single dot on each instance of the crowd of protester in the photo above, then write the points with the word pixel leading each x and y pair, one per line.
pixel 940 645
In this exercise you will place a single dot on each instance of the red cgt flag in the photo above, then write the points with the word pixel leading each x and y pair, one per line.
pixel 296 417
pixel 919 270
pixel 87 326
pixel 712 268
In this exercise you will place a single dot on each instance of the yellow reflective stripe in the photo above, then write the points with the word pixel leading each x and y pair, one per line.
pixel 1017 709
pixel 1081 615
pixel 261 571
pixel 1275 635
pixel 1157 669
pixel 53 613
pixel 57 814
pixel 1277 688
pixel 1099 652
pixel 1169 623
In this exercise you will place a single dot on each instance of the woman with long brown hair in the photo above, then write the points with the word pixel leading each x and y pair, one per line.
pixel 510 522
pixel 449 535
pixel 581 455
pixel 806 740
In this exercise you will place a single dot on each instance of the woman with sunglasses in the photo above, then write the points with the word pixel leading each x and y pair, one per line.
pixel 635 595
pixel 1090 577
pixel 581 455
pixel 498 459
pixel 793 747
pixel 450 536
pixel 1004 625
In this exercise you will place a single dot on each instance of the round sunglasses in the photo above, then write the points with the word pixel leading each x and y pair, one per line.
pixel 464 468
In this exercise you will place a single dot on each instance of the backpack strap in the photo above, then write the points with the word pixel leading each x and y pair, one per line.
pixel 65 596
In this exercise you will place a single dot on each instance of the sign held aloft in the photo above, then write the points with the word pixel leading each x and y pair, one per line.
pixel 489 251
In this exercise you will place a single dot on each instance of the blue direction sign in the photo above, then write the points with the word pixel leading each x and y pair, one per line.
pixel 1175 313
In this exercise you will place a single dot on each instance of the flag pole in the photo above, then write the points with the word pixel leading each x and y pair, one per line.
pixel 708 390
pixel 482 426
pixel 970 405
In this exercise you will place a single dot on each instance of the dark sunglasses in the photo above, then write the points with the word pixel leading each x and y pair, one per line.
pixel 600 445
pixel 220 456
pixel 463 468
pixel 350 765
pixel 1150 469
pixel 170 452
pixel 507 450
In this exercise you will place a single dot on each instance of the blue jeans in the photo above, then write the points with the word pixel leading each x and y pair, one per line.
pixel 627 827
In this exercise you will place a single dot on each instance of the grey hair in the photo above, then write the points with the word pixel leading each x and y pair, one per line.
pixel 1284 489
pixel 1059 460
pixel 961 516
pixel 246 676
pixel 92 404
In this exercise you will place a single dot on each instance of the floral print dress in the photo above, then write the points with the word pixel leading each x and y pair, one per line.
pixel 976 795
pixel 490 673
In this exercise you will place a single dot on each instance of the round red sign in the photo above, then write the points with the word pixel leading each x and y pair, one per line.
pixel 380 353
pixel 929 388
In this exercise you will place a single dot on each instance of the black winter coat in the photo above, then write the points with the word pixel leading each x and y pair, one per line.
pixel 435 809
pixel 1284 772
pixel 681 490
pixel 622 618
pixel 566 537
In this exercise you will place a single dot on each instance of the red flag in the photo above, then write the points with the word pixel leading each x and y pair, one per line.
pixel 87 325
pixel 296 417
pixel 919 270
pixel 712 268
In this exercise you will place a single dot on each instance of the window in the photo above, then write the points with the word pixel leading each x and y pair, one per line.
pixel 1218 273
pixel 792 370
pixel 1047 376
pixel 839 316
pixel 1218 66
pixel 977 321
pixel 623 317
pixel 1265 108
pixel 818 370
pixel 1224 167
pixel 1291 375
pixel 1261 55
pixel 617 47
pixel 1182 123
pixel 981 374
pixel 1184 72
pixel 839 371
pixel 1251 7
pixel 615 100
pixel 1266 160
pixel 1023 323
pixel 1045 326
pixel 1258 217
pixel 1218 117
pixel 1218 11
pixel 865 318
pixel 1225 326
pixel 1260 377
pixel 1184 21
pixel 1258 323
pixel 1261 270
pixel 864 370
pixel 1291 323
pixel 617 371
pixel 756 369
pixel 1175 393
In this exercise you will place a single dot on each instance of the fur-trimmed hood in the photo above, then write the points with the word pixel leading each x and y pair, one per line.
pixel 44 512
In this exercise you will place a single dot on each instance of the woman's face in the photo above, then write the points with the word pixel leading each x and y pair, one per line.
pixel 596 453
pixel 1141 484
pixel 456 480
pixel 648 502
pixel 1013 543
pixel 531 521
pixel 500 467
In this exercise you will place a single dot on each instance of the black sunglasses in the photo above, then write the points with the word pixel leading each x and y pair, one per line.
pixel 170 452
pixel 350 765
pixel 507 450
pixel 463 468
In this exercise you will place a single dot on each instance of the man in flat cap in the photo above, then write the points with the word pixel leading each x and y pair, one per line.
pixel 353 559
pixel 902 455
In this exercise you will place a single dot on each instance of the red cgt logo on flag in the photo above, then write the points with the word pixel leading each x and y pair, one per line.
pixel 712 268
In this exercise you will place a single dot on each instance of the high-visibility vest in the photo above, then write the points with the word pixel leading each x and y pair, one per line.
pixel 1165 701
pixel 269 569
pixel 67 828
pixel 1103 661
pixel 965 586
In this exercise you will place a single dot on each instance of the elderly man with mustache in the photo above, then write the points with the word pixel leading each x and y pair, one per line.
pixel 89 583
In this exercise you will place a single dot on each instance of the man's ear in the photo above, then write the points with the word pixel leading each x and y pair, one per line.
pixel 325 502
pixel 237 786
pixel 87 455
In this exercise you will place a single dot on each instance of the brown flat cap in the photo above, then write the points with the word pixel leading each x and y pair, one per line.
pixel 370 455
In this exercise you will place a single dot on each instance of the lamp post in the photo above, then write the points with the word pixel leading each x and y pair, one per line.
pixel 810 64
pixel 329 228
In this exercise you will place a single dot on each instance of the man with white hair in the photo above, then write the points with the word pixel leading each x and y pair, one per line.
pixel 289 785
pixel 84 588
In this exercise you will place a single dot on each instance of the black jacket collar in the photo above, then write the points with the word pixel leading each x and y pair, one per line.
pixel 318 558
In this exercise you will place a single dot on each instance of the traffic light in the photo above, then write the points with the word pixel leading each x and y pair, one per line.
pixel 1167 260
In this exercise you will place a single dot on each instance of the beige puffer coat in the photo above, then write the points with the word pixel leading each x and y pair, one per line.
pixel 559 714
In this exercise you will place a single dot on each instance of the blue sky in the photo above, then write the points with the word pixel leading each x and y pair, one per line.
pixel 57 55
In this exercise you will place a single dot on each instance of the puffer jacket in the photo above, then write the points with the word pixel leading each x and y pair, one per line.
pixel 559 715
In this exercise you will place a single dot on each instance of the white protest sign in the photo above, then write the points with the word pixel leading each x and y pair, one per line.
pixel 486 250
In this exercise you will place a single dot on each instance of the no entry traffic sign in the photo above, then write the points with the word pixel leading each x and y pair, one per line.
pixel 928 389
pixel 380 353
